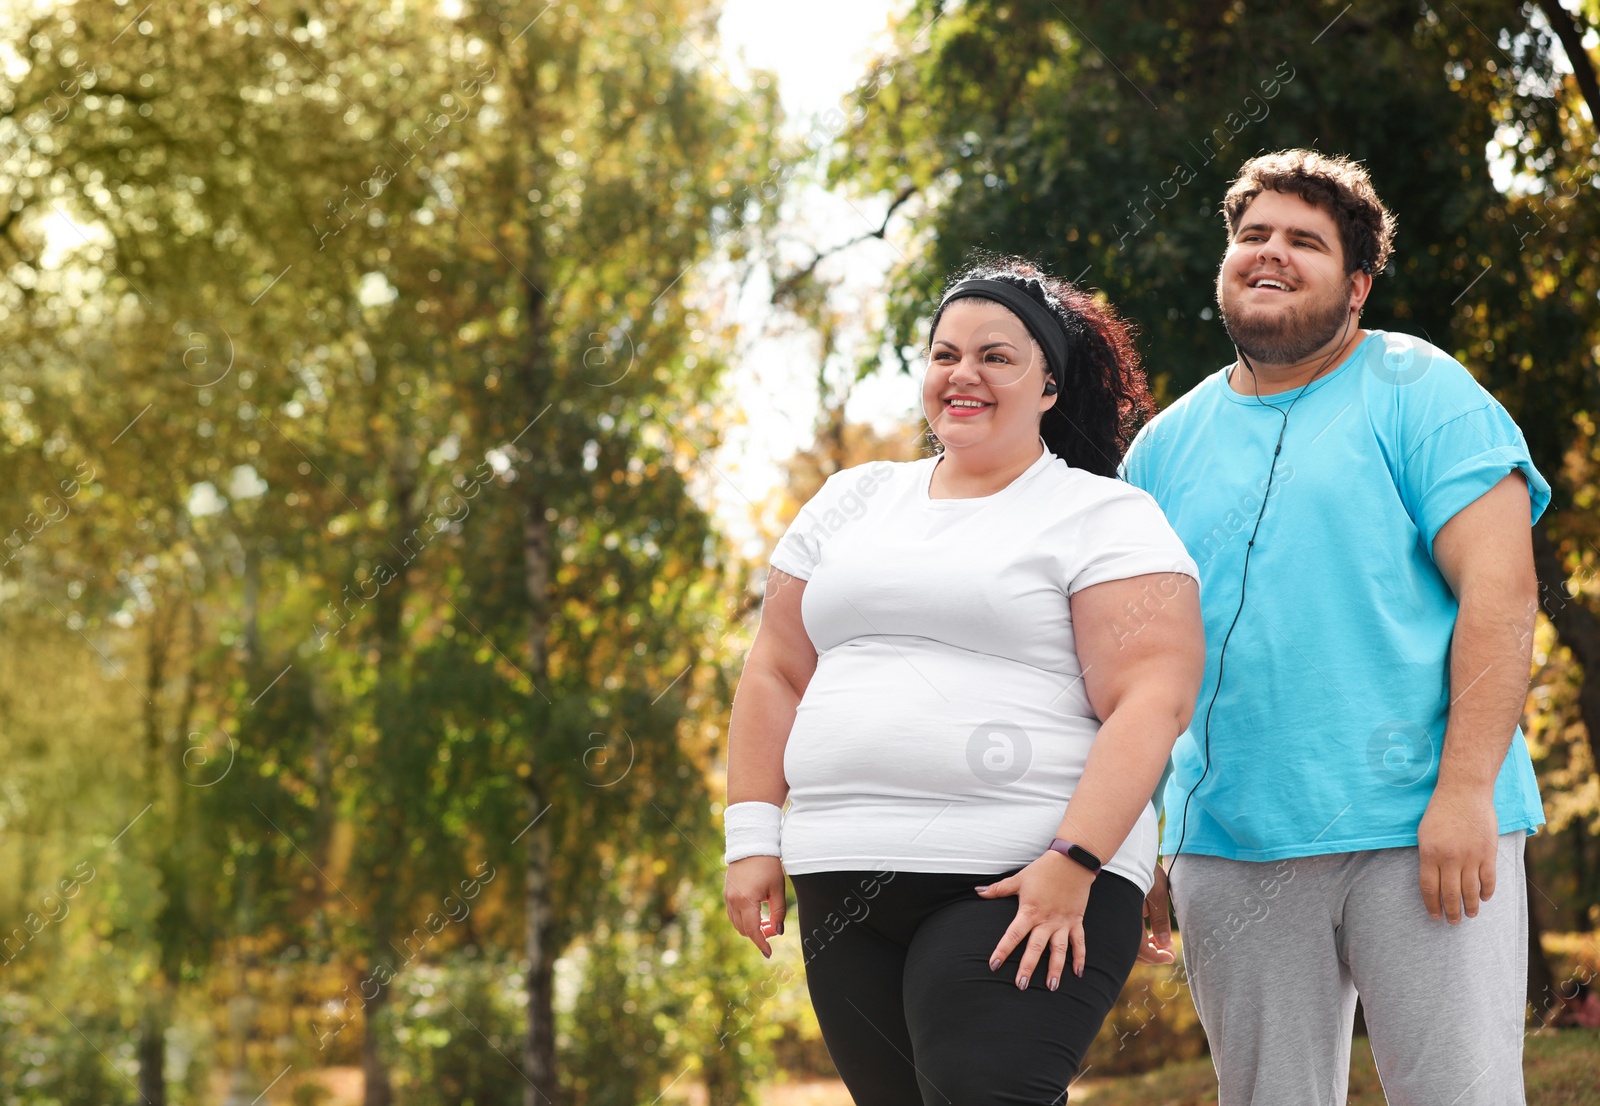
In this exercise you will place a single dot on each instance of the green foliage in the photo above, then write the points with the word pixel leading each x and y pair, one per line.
pixel 48 1063
pixel 454 1027
pixel 67 1034
pixel 367 297
pixel 1153 1024
pixel 652 1000
pixel 1099 139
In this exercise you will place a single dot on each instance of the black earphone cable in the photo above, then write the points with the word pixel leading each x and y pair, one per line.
pixel 1266 495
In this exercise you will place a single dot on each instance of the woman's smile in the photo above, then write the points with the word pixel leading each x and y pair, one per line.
pixel 962 407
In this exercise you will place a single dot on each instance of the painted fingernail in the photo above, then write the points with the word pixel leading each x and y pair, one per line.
pixel 1055 981
pixel 982 889
pixel 1022 983
pixel 1078 972
pixel 993 964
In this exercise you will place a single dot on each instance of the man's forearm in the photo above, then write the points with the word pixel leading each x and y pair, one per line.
pixel 1490 653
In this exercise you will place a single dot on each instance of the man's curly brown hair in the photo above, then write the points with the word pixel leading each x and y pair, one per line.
pixel 1337 185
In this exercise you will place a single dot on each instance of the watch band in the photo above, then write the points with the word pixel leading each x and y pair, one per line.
pixel 1077 853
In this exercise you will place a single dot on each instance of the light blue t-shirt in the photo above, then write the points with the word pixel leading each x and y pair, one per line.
pixel 1326 735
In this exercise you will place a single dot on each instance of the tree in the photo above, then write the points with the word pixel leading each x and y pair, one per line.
pixel 417 371
pixel 636 173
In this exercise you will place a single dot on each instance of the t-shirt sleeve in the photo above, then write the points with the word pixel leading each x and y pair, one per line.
pixel 1135 463
pixel 1460 460
pixel 1125 536
pixel 800 548
pixel 844 497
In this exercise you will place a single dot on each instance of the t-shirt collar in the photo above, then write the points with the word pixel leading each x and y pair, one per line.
pixel 1278 399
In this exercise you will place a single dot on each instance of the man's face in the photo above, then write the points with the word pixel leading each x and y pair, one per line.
pixel 1282 288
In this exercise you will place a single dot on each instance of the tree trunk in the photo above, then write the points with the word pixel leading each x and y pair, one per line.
pixel 376 1089
pixel 1578 628
pixel 151 1055
pixel 1570 30
pixel 323 815
pixel 534 388
pixel 388 635
pixel 152 1045
pixel 1543 1002
pixel 539 1051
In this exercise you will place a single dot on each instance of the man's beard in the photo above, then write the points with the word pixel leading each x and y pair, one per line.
pixel 1286 337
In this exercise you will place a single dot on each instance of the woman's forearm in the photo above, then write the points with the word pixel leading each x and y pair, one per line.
pixel 764 707
pixel 1125 762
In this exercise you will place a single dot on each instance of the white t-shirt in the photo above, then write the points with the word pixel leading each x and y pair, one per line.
pixel 947 722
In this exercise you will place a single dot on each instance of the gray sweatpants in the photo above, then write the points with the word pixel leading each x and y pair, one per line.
pixel 1276 953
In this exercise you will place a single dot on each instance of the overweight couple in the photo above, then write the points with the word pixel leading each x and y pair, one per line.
pixel 1266 656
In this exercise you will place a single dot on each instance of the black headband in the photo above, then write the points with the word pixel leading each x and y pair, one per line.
pixel 1039 319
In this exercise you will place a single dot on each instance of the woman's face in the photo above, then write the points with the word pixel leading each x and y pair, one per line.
pixel 984 360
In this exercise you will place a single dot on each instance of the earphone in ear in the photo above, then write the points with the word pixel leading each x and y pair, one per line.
pixel 1049 387
pixel 1366 267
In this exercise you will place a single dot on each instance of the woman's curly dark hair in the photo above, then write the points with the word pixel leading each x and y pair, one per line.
pixel 1104 398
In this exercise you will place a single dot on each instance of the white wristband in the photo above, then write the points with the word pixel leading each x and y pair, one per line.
pixel 752 830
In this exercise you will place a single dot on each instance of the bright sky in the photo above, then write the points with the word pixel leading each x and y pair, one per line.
pixel 818 52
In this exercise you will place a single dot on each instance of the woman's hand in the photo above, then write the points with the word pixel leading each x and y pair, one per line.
pixel 1052 894
pixel 749 883
pixel 1157 948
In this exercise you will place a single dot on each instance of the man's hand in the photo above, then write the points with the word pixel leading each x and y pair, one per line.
pixel 1456 844
pixel 1157 948
pixel 749 883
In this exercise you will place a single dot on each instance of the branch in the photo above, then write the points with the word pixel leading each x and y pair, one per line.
pixel 1569 31
pixel 787 286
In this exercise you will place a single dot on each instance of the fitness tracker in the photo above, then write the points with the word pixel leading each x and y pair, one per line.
pixel 1077 853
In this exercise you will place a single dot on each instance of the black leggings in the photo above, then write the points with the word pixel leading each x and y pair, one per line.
pixel 897 966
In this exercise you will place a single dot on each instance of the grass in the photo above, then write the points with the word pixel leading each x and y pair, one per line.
pixel 1560 1068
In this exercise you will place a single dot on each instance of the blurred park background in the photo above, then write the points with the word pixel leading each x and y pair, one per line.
pixel 398 401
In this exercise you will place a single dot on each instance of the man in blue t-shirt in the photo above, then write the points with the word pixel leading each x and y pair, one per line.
pixel 1346 812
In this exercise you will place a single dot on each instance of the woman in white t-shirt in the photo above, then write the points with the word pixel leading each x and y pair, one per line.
pixel 968 678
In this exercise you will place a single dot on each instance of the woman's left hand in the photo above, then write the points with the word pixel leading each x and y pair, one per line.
pixel 1052 894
